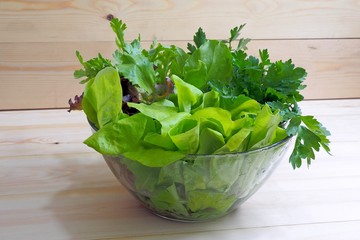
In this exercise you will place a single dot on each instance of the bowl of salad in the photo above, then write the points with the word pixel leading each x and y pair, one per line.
pixel 194 133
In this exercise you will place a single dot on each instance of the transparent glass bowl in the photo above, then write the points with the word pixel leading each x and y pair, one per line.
pixel 198 187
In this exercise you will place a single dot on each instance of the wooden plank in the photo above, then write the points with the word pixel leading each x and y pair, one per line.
pixel 322 231
pixel 39 75
pixel 71 194
pixel 63 21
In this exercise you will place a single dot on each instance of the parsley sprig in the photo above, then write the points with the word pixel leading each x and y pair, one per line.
pixel 277 84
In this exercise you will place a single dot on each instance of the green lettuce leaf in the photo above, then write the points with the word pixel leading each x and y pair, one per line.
pixel 236 143
pixel 222 116
pixel 212 59
pixel 185 135
pixel 264 130
pixel 126 137
pixel 187 94
pixel 163 111
pixel 137 69
pixel 102 100
pixel 209 141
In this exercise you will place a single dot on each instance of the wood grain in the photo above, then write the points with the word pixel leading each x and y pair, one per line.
pixel 38 40
pixel 66 191
pixel 40 75
pixel 60 21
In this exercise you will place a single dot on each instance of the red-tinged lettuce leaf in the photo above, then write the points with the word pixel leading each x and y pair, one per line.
pixel 77 104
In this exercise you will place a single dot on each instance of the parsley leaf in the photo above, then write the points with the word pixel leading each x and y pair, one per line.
pixel 199 39
pixel 234 34
pixel 309 137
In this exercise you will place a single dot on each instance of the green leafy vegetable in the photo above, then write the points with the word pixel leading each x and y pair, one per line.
pixel 216 58
pixel 308 139
pixel 199 39
pixel 173 86
pixel 187 94
pixel 91 67
pixel 234 34
pixel 126 137
pixel 103 97
pixel 164 112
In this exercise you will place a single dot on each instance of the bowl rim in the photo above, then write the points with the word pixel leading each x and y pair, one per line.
pixel 267 147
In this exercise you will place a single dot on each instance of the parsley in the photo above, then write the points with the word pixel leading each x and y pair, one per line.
pixel 309 137
pixel 234 34
pixel 199 39
pixel 277 84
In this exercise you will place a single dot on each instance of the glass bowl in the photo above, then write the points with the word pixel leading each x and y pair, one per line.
pixel 198 187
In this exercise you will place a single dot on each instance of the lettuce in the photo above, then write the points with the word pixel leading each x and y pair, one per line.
pixel 214 99
pixel 102 96
pixel 193 123
pixel 178 121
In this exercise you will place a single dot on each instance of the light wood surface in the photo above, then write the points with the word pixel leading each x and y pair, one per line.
pixel 38 40
pixel 48 81
pixel 70 21
pixel 54 187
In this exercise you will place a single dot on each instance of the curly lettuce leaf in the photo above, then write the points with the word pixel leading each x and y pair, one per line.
pixel 137 69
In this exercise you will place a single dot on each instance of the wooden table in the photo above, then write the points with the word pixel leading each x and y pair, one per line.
pixel 54 187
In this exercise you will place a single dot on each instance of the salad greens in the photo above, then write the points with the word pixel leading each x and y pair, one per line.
pixel 172 130
pixel 212 100
pixel 195 133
